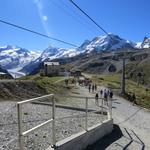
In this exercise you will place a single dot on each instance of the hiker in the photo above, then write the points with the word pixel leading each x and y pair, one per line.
pixel 101 93
pixel 89 88
pixel 133 98
pixel 72 81
pixel 110 99
pixel 111 94
pixel 66 82
pixel 105 97
pixel 93 88
pixel 108 91
pixel 96 99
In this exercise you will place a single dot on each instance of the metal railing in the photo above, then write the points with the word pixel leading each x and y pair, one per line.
pixel 20 123
pixel 22 133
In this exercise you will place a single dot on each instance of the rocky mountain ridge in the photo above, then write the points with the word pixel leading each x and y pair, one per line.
pixel 17 59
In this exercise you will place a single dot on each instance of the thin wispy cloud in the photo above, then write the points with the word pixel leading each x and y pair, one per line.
pixel 43 17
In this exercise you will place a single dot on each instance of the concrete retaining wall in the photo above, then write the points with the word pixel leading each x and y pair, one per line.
pixel 82 139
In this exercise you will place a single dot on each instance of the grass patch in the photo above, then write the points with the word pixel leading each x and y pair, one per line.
pixel 113 81
pixel 38 77
pixel 110 81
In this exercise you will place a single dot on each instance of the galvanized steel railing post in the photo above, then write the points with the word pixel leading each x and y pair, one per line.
pixel 20 124
pixel 21 142
pixel 86 118
pixel 110 108
pixel 102 106
pixel 53 123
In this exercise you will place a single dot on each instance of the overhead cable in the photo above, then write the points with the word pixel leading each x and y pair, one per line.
pixel 38 33
pixel 89 17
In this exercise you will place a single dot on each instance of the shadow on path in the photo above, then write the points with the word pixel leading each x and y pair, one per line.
pixel 131 140
pixel 142 143
pixel 107 140
pixel 130 116
pixel 117 102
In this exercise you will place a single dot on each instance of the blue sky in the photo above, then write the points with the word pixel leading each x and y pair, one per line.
pixel 59 18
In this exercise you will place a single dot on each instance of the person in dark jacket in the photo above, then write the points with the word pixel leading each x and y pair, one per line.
pixel 101 93
pixel 89 88
pixel 111 94
pixel 93 88
pixel 105 97
pixel 96 99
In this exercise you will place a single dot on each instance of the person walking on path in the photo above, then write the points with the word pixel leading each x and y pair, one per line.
pixel 93 88
pixel 111 94
pixel 66 82
pixel 108 92
pixel 110 101
pixel 101 93
pixel 96 99
pixel 105 97
pixel 89 88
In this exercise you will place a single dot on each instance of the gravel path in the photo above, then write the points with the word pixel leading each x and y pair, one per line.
pixel 133 132
pixel 35 114
pixel 133 119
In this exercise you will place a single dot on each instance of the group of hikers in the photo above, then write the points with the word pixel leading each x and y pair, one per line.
pixel 80 81
pixel 92 87
pixel 105 94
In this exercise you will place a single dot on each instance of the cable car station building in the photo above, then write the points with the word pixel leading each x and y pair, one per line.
pixel 51 68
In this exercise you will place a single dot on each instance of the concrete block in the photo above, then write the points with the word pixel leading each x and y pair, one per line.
pixel 82 139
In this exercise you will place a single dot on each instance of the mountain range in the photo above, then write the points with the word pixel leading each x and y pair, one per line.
pixel 20 61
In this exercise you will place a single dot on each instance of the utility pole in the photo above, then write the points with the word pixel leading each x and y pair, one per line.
pixel 123 77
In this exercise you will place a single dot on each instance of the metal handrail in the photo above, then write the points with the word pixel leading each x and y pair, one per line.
pixel 82 97
pixel 53 119
pixel 34 99
pixel 37 127
pixel 20 123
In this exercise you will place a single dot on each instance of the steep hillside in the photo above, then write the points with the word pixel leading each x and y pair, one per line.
pixel 20 60
pixel 4 74
pixel 133 68
pixel 30 87
pixel 96 45
pixel 106 62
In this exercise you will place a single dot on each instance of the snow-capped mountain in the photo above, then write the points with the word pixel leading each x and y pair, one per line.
pixel 146 43
pixel 18 59
pixel 107 42
pixel 53 53
pixel 15 58
pixel 138 45
pixel 50 53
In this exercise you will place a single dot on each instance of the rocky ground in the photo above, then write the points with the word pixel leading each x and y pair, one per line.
pixel 131 132
pixel 19 90
pixel 34 114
